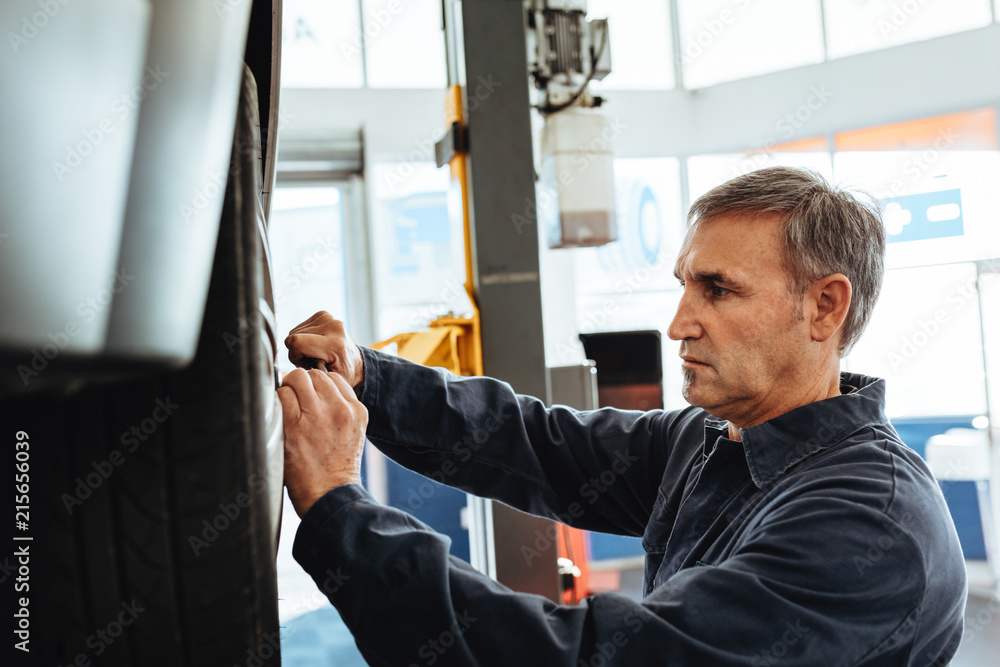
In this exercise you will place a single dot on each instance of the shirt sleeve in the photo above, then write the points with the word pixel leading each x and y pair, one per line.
pixel 786 597
pixel 596 470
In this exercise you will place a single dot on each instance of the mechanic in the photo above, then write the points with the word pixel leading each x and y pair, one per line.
pixel 784 521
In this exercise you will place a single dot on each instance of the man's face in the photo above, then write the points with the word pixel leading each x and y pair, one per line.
pixel 743 338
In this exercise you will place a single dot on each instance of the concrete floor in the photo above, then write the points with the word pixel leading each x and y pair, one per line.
pixel 981 644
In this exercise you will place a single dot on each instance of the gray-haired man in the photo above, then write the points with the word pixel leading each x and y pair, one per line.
pixel 783 519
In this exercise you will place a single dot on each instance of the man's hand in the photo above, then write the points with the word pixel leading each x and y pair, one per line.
pixel 324 435
pixel 322 338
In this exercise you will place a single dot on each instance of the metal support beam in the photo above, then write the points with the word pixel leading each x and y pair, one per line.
pixel 493 70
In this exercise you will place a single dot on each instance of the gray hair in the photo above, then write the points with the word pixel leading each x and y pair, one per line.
pixel 825 230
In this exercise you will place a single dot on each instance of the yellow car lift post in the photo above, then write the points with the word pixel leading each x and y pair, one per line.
pixel 450 342
pixel 455 343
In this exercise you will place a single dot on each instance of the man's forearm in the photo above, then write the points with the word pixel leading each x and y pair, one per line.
pixel 478 435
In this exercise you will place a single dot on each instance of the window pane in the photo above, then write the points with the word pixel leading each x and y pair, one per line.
pixel 306 239
pixel 854 26
pixel 321 45
pixel 650 229
pixel 723 40
pixel 924 339
pixel 940 205
pixel 419 267
pixel 974 130
pixel 937 180
pixel 404 44
pixel 990 286
pixel 629 284
pixel 641 50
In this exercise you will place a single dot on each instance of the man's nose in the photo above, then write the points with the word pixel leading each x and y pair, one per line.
pixel 685 323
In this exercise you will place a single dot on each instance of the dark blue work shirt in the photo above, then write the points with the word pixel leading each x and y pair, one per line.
pixel 819 539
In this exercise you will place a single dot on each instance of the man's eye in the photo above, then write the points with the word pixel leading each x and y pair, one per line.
pixel 718 291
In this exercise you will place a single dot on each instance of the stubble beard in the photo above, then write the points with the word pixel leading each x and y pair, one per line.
pixel 688 375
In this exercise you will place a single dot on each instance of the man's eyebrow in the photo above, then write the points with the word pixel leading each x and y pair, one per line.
pixel 716 277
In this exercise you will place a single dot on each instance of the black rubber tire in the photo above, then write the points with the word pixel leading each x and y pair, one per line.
pixel 177 523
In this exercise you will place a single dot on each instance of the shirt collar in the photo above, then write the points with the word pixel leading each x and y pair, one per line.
pixel 771 448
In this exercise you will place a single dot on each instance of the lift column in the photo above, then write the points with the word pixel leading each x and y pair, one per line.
pixel 487 56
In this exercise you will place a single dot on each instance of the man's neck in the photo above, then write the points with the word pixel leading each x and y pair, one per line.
pixel 829 391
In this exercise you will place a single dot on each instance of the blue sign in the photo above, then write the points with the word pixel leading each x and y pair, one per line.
pixel 929 215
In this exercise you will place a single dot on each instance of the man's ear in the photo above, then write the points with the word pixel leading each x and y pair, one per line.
pixel 830 298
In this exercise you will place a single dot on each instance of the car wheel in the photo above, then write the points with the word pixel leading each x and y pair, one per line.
pixel 153 514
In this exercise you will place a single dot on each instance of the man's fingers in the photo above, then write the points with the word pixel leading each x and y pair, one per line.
pixel 325 323
pixel 347 395
pixel 313 324
pixel 306 346
pixel 289 405
pixel 326 389
pixel 319 314
pixel 305 393
pixel 312 320
pixel 344 387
